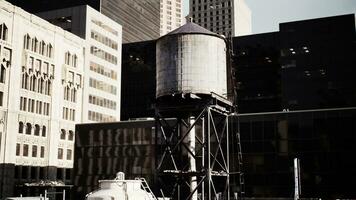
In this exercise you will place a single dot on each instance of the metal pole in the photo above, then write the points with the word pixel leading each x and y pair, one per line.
pixel 228 156
pixel 191 158
pixel 203 155
pixel 296 179
pixel 64 194
pixel 208 156
pixel 45 197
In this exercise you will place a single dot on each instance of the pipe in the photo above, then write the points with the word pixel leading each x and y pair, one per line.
pixel 192 161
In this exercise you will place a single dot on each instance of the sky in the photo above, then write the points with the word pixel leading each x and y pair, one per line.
pixel 267 14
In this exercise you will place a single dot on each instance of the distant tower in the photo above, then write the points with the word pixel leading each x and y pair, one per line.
pixel 225 17
pixel 192 88
pixel 171 15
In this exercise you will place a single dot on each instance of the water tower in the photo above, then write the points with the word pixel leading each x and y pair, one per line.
pixel 192 87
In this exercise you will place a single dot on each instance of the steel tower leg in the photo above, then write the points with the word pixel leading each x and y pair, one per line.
pixel 194 159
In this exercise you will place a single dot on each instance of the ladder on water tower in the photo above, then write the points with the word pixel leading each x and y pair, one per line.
pixel 241 174
pixel 147 188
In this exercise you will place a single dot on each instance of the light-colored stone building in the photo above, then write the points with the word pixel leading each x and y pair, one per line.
pixel 171 15
pixel 41 89
pixel 102 81
pixel 225 17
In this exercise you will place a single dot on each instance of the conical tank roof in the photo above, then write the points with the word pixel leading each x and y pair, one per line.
pixel 192 28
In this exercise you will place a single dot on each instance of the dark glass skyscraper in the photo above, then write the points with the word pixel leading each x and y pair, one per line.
pixel 324 141
pixel 308 64
pixel 257 71
pixel 318 63
pixel 138 79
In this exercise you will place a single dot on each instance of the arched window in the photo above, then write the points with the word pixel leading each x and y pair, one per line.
pixel 39 85
pixel 71 136
pixel 37 130
pixel 75 60
pixel 49 88
pixel 33 83
pixel 49 52
pixel 28 128
pixel 3 32
pixel 74 95
pixel 65 93
pixel 34 46
pixel 67 58
pixel 20 127
pixel 63 134
pixel 43 48
pixel 24 80
pixel 27 41
pixel 68 90
pixel 43 131
pixel 36 49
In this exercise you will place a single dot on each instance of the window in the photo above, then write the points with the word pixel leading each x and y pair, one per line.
pixel 27 42
pixel 103 70
pixel 50 50
pixel 103 55
pixel 20 127
pixel 33 172
pixel 34 151
pixel 63 134
pixel 69 154
pixel 34 47
pixel 71 136
pixel 75 61
pixel 60 153
pixel 67 58
pixel 104 40
pixel 43 131
pixel 43 50
pixel 18 149
pixel 1 98
pixel 25 172
pixel 25 150
pixel 3 32
pixel 2 74
pixel 42 151
pixel 28 128
pixel 100 85
pixel 102 25
pixel 74 95
pixel 37 130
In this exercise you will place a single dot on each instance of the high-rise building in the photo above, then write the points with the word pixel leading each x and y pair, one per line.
pixel 102 83
pixel 139 19
pixel 295 69
pixel 138 79
pixel 258 76
pixel 171 15
pixel 41 87
pixel 225 17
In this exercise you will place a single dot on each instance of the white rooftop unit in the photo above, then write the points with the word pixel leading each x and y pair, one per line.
pixel 121 189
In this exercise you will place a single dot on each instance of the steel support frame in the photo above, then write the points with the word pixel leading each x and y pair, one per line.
pixel 211 154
